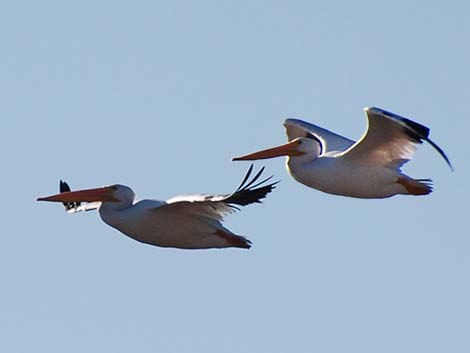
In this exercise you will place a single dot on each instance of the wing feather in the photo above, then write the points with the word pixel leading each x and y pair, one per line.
pixel 390 140
pixel 330 141
pixel 215 207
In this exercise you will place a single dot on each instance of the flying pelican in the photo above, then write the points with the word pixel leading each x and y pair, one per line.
pixel 185 222
pixel 368 168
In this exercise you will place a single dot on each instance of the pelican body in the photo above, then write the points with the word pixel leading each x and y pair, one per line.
pixel 368 168
pixel 185 222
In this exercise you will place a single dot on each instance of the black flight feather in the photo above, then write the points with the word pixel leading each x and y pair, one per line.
pixel 64 187
pixel 416 132
pixel 248 192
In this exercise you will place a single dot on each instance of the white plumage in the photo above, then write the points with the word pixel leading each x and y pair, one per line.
pixel 186 222
pixel 368 168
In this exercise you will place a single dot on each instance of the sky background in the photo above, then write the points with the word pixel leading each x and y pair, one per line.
pixel 159 96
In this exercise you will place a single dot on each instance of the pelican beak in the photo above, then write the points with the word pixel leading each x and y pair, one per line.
pixel 289 149
pixel 105 194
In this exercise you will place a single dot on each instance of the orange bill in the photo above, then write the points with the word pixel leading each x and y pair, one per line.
pixel 105 194
pixel 289 149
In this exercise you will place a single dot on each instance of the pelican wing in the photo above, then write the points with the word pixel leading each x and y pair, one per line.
pixel 330 141
pixel 215 207
pixel 390 140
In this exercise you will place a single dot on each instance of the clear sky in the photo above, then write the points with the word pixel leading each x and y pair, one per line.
pixel 159 96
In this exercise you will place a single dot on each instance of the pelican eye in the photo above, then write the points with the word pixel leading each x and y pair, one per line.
pixel 113 187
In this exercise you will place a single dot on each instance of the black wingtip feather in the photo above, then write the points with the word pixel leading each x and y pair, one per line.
pixel 64 187
pixel 256 177
pixel 441 152
pixel 247 175
pixel 248 193
pixel 417 132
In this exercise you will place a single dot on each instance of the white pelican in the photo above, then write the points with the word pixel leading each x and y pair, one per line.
pixel 186 222
pixel 368 168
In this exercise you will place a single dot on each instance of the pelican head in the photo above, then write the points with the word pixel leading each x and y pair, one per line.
pixel 119 196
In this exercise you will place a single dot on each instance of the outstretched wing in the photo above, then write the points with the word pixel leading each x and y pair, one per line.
pixel 330 141
pixel 215 207
pixel 73 207
pixel 390 140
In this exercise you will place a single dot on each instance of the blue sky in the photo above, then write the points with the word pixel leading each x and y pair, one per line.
pixel 159 96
